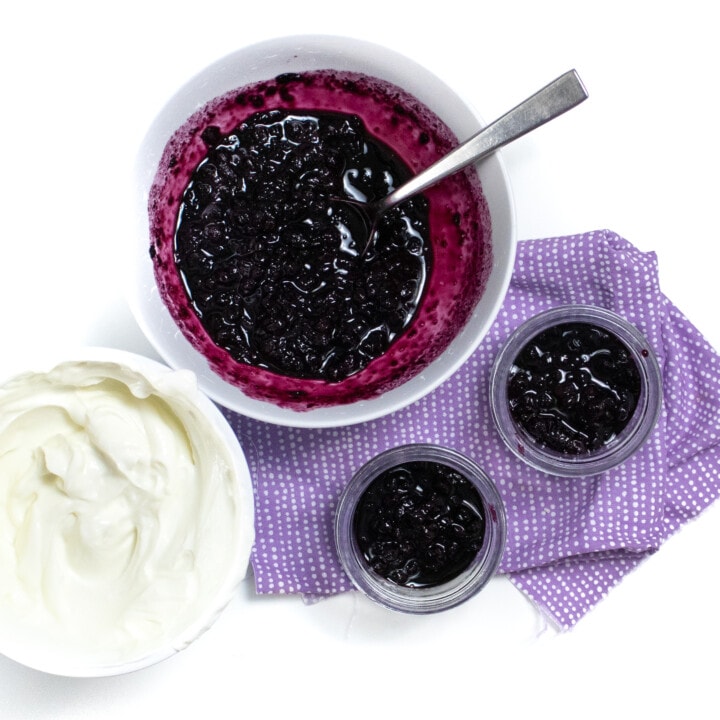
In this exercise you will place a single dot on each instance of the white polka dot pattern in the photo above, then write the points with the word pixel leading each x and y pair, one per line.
pixel 569 540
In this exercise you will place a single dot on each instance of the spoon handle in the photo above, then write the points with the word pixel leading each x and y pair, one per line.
pixel 554 99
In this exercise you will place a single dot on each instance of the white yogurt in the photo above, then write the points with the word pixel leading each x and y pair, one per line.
pixel 120 513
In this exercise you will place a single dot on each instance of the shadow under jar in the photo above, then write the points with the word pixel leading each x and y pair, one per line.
pixel 575 390
pixel 420 528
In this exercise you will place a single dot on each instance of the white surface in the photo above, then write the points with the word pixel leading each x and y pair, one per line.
pixel 640 157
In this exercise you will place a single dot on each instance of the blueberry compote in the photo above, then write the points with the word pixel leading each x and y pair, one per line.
pixel 574 387
pixel 276 266
pixel 260 268
pixel 420 524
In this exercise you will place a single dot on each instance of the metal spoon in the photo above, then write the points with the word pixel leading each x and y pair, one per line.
pixel 554 99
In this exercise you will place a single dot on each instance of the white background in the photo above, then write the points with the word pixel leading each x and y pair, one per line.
pixel 81 83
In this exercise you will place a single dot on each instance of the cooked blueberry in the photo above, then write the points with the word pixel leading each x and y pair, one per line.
pixel 573 387
pixel 259 231
pixel 420 524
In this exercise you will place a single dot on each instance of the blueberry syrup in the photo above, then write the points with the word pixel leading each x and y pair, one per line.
pixel 275 266
pixel 574 387
pixel 420 524
pixel 422 293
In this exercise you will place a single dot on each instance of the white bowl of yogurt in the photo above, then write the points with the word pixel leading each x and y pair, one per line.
pixel 472 237
pixel 126 514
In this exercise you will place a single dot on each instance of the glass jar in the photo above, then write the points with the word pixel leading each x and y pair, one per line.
pixel 539 398
pixel 478 502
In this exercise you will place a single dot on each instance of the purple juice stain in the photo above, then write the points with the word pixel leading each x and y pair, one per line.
pixel 269 284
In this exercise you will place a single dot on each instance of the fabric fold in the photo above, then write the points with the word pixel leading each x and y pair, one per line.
pixel 569 540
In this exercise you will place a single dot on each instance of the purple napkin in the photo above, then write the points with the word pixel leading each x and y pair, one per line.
pixel 569 540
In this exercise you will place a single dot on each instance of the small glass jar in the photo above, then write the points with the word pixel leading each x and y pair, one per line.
pixel 563 412
pixel 461 582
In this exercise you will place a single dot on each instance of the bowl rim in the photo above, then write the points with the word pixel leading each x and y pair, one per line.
pixel 154 318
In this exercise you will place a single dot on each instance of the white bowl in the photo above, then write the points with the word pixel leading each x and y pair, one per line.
pixel 306 53
pixel 108 563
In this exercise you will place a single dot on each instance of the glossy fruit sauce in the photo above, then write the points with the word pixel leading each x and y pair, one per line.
pixel 574 387
pixel 281 273
pixel 266 272
pixel 420 524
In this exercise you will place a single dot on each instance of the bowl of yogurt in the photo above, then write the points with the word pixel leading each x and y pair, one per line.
pixel 127 514
pixel 253 270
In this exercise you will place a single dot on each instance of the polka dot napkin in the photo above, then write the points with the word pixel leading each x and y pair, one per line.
pixel 569 540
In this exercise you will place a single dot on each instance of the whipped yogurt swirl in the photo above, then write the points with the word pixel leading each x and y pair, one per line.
pixel 119 511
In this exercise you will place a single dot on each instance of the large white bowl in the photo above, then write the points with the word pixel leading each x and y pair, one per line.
pixel 66 568
pixel 306 53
